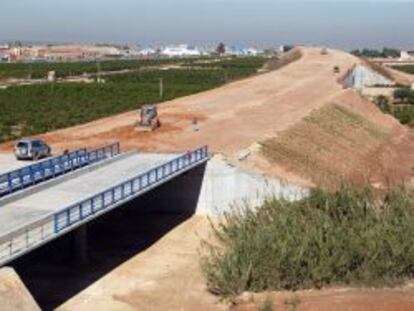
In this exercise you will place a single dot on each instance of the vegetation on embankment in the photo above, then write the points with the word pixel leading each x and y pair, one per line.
pixel 352 237
pixel 401 106
pixel 33 109
pixel 327 146
pixel 284 60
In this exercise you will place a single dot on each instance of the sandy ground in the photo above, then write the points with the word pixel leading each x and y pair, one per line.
pixel 13 294
pixel 401 77
pixel 339 299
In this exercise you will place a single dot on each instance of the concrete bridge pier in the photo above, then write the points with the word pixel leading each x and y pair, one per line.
pixel 80 245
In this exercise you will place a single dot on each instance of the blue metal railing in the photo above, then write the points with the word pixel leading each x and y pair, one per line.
pixel 128 189
pixel 50 168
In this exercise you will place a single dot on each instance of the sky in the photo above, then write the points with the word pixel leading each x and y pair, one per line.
pixel 262 23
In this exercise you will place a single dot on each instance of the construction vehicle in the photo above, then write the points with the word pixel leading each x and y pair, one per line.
pixel 149 118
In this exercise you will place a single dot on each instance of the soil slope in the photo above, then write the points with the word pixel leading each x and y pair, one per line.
pixel 13 293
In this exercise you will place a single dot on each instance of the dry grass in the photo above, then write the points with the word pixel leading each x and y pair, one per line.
pixel 378 69
pixel 328 146
pixel 286 59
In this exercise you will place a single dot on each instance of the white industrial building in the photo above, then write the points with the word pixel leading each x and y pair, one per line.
pixel 407 55
pixel 147 52
pixel 182 50
pixel 238 51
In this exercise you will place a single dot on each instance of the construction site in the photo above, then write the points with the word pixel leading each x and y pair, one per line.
pixel 278 133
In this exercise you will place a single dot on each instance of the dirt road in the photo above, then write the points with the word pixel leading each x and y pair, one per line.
pixel 242 114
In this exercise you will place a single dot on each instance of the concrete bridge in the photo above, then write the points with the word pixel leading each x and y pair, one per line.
pixel 45 201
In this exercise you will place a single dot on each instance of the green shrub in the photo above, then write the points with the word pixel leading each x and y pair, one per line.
pixel 404 114
pixel 347 237
pixel 404 95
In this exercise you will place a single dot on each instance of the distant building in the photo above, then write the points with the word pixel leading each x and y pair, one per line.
pixel 63 52
pixel 240 51
pixel 4 53
pixel 4 57
pixel 407 55
pixel 147 52
pixel 182 50
pixel 252 52
pixel 234 51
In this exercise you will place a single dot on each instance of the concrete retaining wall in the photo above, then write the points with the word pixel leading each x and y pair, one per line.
pixel 214 188
pixel 361 77
pixel 225 185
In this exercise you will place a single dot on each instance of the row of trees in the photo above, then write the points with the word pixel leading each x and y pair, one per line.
pixel 371 53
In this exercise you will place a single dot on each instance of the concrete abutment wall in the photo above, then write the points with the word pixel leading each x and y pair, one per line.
pixel 213 188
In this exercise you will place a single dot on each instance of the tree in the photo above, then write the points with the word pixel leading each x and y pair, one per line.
pixel 403 94
pixel 382 102
pixel 389 52
pixel 221 48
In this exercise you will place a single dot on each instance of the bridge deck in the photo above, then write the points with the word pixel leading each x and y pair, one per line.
pixel 8 162
pixel 17 214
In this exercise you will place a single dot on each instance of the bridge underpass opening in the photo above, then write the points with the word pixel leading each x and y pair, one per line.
pixel 61 269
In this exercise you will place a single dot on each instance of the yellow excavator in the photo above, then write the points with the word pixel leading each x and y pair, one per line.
pixel 149 120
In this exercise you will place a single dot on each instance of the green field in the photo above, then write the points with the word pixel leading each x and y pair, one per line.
pixel 40 70
pixel 405 68
pixel 34 109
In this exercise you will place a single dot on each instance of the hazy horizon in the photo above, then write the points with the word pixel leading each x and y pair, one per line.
pixel 345 24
